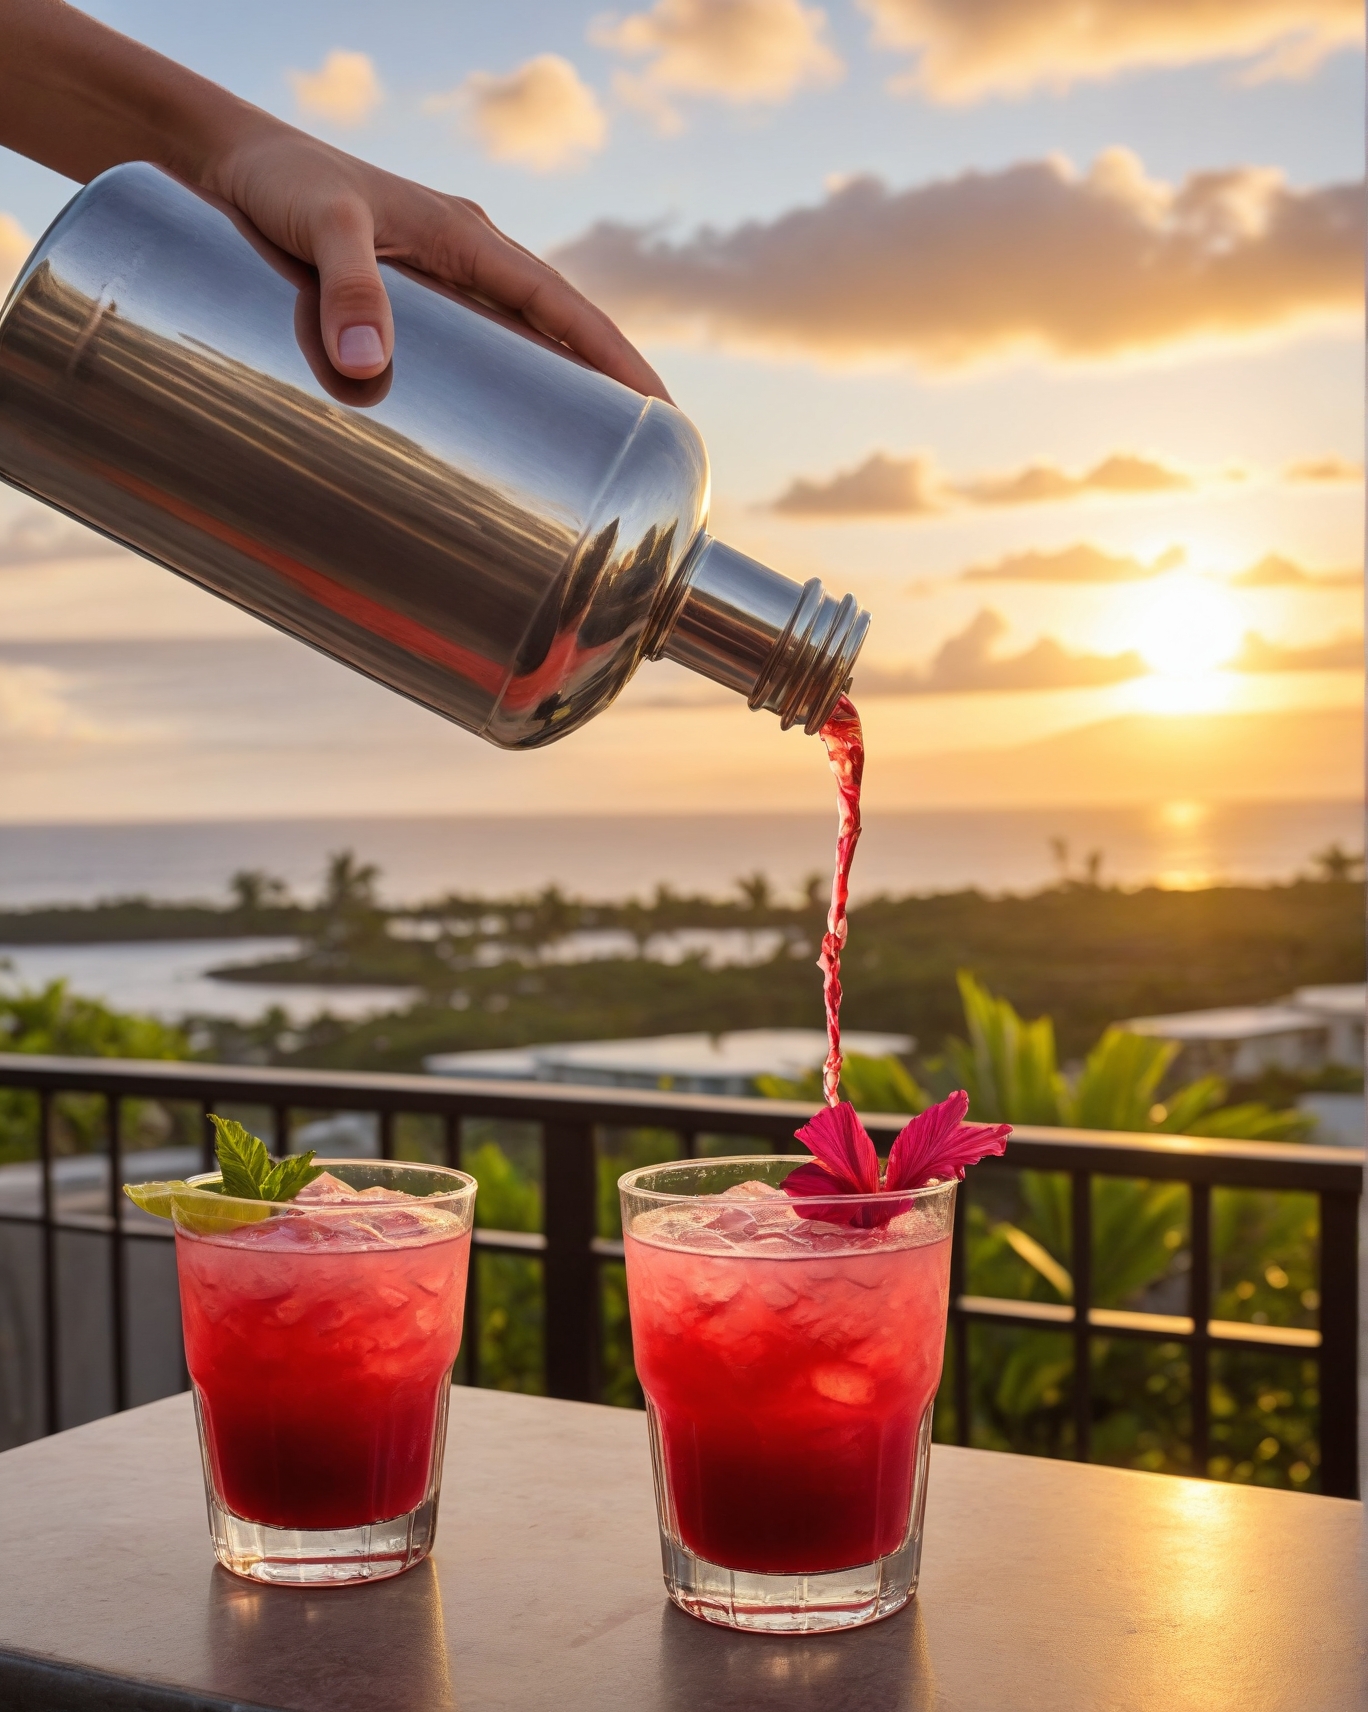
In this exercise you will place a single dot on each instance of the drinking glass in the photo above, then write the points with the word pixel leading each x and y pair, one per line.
pixel 320 1339
pixel 790 1362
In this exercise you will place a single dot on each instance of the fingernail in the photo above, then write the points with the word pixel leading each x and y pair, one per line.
pixel 360 347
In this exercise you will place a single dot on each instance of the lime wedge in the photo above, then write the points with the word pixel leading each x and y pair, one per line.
pixel 199 1209
pixel 155 1198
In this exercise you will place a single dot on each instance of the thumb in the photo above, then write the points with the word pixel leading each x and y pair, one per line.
pixel 358 329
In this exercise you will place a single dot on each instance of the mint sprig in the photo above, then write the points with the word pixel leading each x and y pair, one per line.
pixel 247 1170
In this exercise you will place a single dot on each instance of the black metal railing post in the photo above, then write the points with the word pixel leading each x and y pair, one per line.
pixel 1080 1246
pixel 1339 1345
pixel 569 1273
pixel 52 1346
pixel 470 1325
pixel 959 1322
pixel 1199 1311
pixel 118 1320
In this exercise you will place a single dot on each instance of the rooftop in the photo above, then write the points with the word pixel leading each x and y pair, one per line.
pixel 689 1063
pixel 1233 1022
pixel 1349 1000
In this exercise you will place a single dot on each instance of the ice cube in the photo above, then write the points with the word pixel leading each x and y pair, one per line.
pixel 774 1293
pixel 843 1383
pixel 325 1190
pixel 328 1190
pixel 752 1190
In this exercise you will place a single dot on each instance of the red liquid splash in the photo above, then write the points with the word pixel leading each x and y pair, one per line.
pixel 845 751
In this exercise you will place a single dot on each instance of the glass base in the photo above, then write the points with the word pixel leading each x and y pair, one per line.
pixel 322 1557
pixel 325 1557
pixel 790 1604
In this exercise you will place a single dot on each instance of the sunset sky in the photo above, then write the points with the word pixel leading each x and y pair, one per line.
pixel 1037 327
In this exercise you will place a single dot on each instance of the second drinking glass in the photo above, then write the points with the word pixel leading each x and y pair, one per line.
pixel 790 1362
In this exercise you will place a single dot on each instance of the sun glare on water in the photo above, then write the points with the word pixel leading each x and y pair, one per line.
pixel 1186 631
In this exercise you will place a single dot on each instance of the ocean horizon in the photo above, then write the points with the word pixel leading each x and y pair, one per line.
pixel 1178 844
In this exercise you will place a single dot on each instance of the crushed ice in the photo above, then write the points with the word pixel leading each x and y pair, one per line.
pixel 380 1217
pixel 759 1219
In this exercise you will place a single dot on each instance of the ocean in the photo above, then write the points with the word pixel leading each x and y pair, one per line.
pixel 1179 844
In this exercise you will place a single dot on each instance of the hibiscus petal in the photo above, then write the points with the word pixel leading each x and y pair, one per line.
pixel 938 1143
pixel 815 1180
pixel 812 1179
pixel 843 1148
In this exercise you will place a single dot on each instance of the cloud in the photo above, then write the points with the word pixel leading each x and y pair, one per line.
pixel 1083 563
pixel 1274 571
pixel 39 537
pixel 885 486
pixel 33 704
pixel 1122 473
pixel 966 662
pixel 1330 469
pixel 15 245
pixel 1344 653
pixel 1080 563
pixel 541 115
pixel 1033 257
pixel 741 51
pixel 966 49
pixel 879 487
pixel 344 90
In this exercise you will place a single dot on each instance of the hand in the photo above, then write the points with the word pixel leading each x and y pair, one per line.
pixel 81 98
pixel 341 214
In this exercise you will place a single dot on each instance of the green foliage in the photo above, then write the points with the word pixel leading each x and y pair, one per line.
pixel 55 1021
pixel 1119 1083
pixel 52 1019
pixel 1081 954
pixel 1017 1236
pixel 870 1084
pixel 503 1160
pixel 1007 1066
pixel 509 1197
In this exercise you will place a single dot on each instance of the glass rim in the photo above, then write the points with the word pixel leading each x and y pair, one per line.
pixel 464 1186
pixel 629 1182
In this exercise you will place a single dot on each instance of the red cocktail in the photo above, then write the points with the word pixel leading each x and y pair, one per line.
pixel 320 1336
pixel 789 1364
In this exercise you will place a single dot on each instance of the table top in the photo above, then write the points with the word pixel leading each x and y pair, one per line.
pixel 1046 1587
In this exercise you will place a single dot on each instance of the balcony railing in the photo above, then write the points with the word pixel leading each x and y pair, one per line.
pixel 55 1202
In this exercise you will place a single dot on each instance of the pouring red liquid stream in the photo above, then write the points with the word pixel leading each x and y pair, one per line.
pixel 845 751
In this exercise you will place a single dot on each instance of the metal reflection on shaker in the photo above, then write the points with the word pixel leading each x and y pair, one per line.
pixel 491 527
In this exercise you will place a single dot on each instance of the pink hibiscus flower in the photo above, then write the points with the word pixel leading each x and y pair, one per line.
pixel 937 1144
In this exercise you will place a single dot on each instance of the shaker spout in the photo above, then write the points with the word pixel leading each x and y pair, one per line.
pixel 786 647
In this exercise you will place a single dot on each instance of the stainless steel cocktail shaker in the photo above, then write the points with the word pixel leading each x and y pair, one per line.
pixel 491 527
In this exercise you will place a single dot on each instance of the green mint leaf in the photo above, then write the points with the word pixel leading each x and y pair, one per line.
pixel 248 1172
pixel 288 1177
pixel 243 1160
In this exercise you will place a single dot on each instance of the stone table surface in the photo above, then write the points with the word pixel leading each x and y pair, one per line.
pixel 1046 1587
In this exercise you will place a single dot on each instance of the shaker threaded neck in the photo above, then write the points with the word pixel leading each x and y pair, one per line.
pixel 786 648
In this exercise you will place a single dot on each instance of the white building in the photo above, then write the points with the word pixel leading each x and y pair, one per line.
pixel 1342 1010
pixel 1315 1027
pixel 722 1064
pixel 1239 1041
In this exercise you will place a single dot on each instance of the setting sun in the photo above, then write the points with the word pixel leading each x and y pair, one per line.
pixel 1188 628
